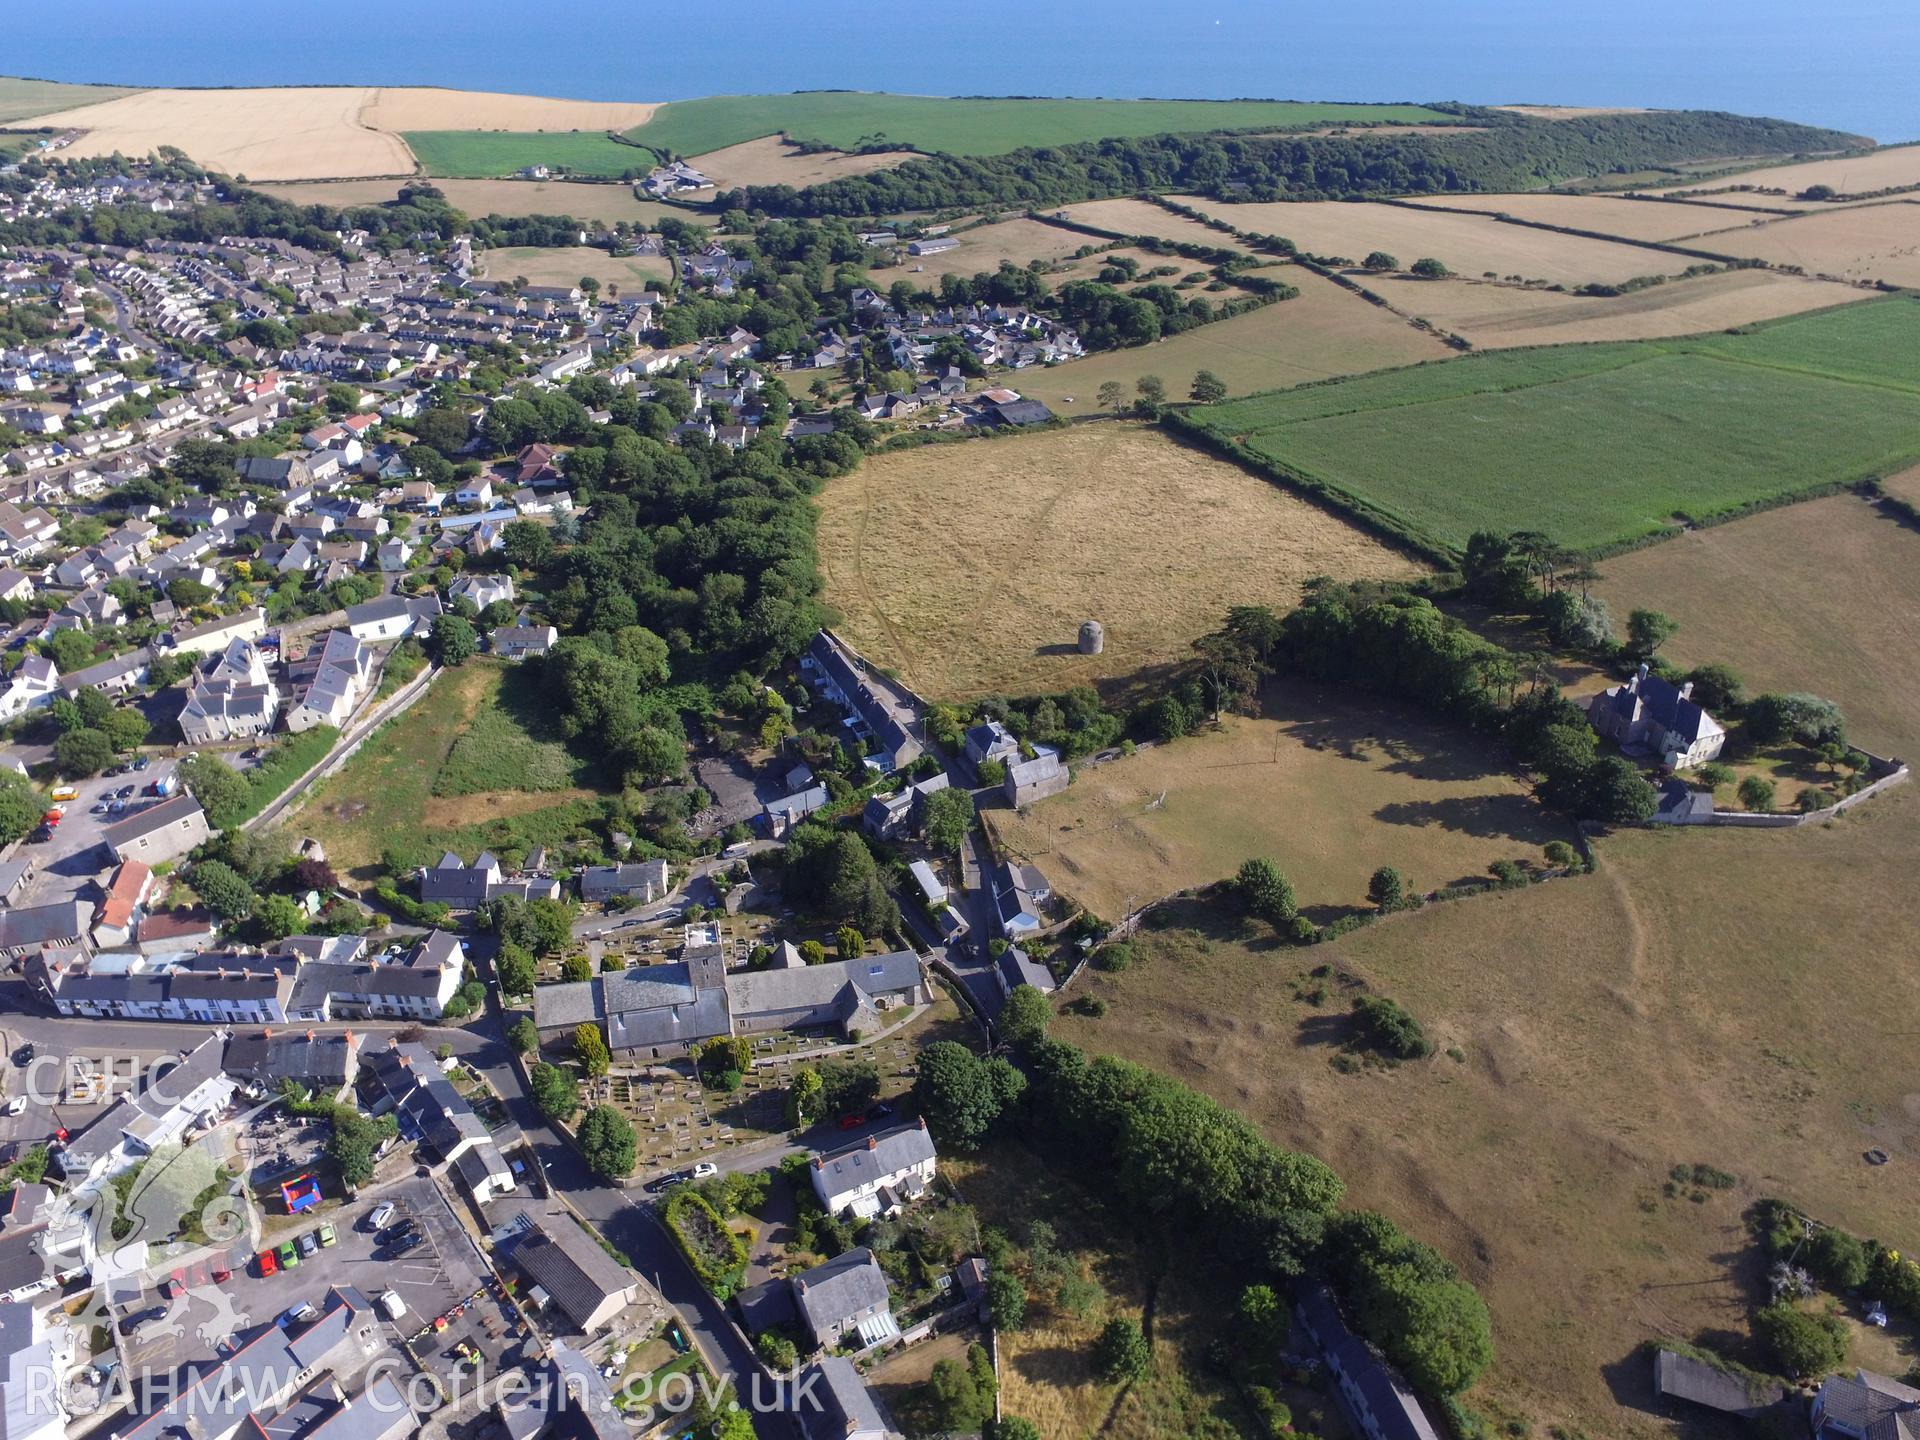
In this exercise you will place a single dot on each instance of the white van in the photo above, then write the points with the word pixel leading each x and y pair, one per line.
pixel 391 1305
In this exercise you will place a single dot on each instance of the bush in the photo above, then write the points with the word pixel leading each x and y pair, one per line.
pixel 1113 958
pixel 1559 852
pixel 1006 1299
pixel 1265 891
pixel 1121 1354
pixel 1805 1345
pixel 1713 774
pixel 523 1035
pixel 555 1091
pixel 1386 888
pixel 1391 1029
pixel 1756 793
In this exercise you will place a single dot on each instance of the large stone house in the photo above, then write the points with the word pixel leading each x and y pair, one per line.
pixel 1651 715
pixel 878 1176
pixel 230 696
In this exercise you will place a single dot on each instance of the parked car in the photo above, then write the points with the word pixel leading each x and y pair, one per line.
pixel 406 1243
pixel 666 1182
pixel 398 1230
pixel 326 1236
pixel 268 1265
pixel 141 763
pixel 125 792
pixel 380 1215
pixel 289 1257
pixel 17 1105
pixel 24 1055
pixel 879 1111
pixel 309 1245
pixel 221 1272
pixel 298 1314
pixel 852 1122
pixel 704 1169
pixel 133 1322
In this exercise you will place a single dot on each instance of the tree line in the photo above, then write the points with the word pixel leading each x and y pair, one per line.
pixel 1506 152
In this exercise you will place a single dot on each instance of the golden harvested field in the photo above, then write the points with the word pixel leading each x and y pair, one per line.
pixel 1570 112
pixel 496 197
pixel 983 250
pixel 1496 316
pixel 1468 244
pixel 1847 175
pixel 1323 331
pixel 1905 485
pixel 1329 784
pixel 1140 217
pixel 969 567
pixel 1728 998
pixel 772 161
pixel 1603 214
pixel 566 265
pixel 1825 597
pixel 318 132
pixel 1864 242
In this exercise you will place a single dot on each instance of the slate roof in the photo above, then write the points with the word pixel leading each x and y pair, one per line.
pixel 562 1259
pixel 766 992
pixel 837 1405
pixel 876 1157
pixel 833 1293
pixel 1869 1404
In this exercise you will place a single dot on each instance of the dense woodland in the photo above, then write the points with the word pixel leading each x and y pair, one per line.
pixel 1512 152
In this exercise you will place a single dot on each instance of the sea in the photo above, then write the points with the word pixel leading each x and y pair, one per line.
pixel 1849 64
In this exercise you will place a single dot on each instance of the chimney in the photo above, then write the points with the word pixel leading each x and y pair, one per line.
pixel 1686 691
pixel 309 1037
pixel 817 1162
pixel 871 1145
pixel 1642 675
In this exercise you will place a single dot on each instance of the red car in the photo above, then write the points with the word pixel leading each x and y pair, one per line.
pixel 268 1265
pixel 852 1122
pixel 221 1274
pixel 174 1284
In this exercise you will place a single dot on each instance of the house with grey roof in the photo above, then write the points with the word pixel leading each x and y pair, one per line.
pixel 888 817
pixel 158 833
pixel 878 1176
pixel 1035 779
pixel 1714 1387
pixel 319 1064
pixel 25 931
pixel 877 718
pixel 176 1098
pixel 406 1081
pixel 588 1286
pixel 830 1401
pixel 516 642
pixel 1648 715
pixel 845 1300
pixel 393 617
pixel 1020 893
pixel 1375 1397
pixel 1866 1406
pixel 569 1400
pixel 31 1407
pixel 644 880
pixel 1015 968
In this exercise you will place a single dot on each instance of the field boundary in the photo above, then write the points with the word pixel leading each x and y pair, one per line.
pixel 289 801
pixel 1898 774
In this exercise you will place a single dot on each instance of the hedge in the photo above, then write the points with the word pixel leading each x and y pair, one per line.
pixel 687 1213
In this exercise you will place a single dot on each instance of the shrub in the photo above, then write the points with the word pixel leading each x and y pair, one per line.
pixel 1713 774
pixel 1113 958
pixel 1390 1029
pixel 1805 1345
pixel 608 1143
pixel 1122 1353
pixel 1756 793
pixel 523 1035
pixel 1386 887
pixel 1559 852
pixel 1265 891
pixel 1006 1299
pixel 1508 874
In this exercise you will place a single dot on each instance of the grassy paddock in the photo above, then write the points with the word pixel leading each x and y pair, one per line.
pixel 464 760
pixel 1329 786
pixel 1600 446
pixel 1115 523
pixel 24 99
pixel 568 264
pixel 846 119
pixel 488 154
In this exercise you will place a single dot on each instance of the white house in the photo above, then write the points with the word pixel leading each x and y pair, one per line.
pixel 1647 713
pixel 34 686
pixel 879 1176
pixel 392 617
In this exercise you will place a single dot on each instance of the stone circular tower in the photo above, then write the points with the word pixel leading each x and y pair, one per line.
pixel 1093 639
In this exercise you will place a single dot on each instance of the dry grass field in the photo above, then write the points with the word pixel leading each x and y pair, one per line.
pixel 1323 331
pixel 496 197
pixel 1494 317
pixel 1570 112
pixel 983 249
pixel 1329 784
pixel 1139 217
pixel 1861 242
pixel 1826 599
pixel 1467 244
pixel 1602 214
pixel 1719 997
pixel 318 132
pixel 772 161
pixel 25 99
pixel 969 567
pixel 567 264
pixel 1848 175
pixel 1905 485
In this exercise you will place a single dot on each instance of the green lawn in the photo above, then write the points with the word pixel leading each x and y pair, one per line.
pixel 1601 445
pixel 489 154
pixel 508 745
pixel 24 99
pixel 846 119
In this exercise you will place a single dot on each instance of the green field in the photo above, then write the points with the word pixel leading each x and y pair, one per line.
pixel 849 119
pixel 24 99
pixel 489 154
pixel 1601 445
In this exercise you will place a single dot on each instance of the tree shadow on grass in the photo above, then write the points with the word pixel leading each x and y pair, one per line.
pixel 1486 817
pixel 1337 1031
